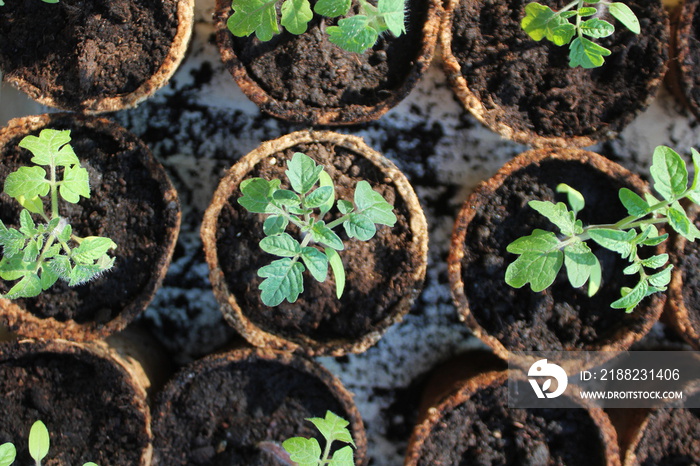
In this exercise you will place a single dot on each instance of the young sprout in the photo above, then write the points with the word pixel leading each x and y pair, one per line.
pixel 38 255
pixel 542 22
pixel 542 253
pixel 305 206
pixel 307 451
pixel 355 33
pixel 39 444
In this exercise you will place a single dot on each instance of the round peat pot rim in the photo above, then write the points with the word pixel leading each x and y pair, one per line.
pixel 298 362
pixel 22 322
pixel 232 311
pixel 473 103
pixel 95 353
pixel 495 379
pixel 171 61
pixel 619 340
pixel 298 112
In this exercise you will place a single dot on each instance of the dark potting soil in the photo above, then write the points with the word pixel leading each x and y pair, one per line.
pixel 689 264
pixel 532 82
pixel 375 270
pixel 311 70
pixel 561 317
pixel 126 204
pixel 78 50
pixel 85 403
pixel 229 409
pixel 484 431
pixel 691 63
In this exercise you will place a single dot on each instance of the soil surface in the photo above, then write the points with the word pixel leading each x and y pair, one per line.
pixel 126 204
pixel 561 317
pixel 230 407
pixel 84 401
pixel 689 264
pixel 76 50
pixel 377 271
pixel 691 55
pixel 531 82
pixel 484 431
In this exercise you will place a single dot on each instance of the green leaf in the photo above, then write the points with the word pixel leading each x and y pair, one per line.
pixel 296 15
pixel 319 196
pixel 31 251
pixel 586 11
pixel 633 268
pixel 537 16
pixel 286 197
pixel 586 54
pixel 250 16
pixel 75 184
pixel 345 207
pixel 353 34
pixel 393 13
pixel 332 8
pixel 558 214
pixel 8 452
pixel 333 427
pixel 595 279
pixel 655 262
pixel 537 268
pixel 26 224
pixel 275 224
pixel 537 241
pixel 89 463
pixel 634 204
pixel 60 265
pixel 303 451
pixel 14 268
pixel 652 237
pixel 38 441
pixel 324 179
pixel 256 195
pixel 630 300
pixel 614 240
pixel 48 278
pixel 28 182
pixel 662 278
pixel 33 205
pixel 28 287
pixel 12 241
pixel 625 15
pixel 83 273
pixel 343 457
pixel 51 148
pixel 338 270
pixel 579 261
pixel 696 176
pixel 283 280
pixel 65 234
pixel 669 173
pixel 573 197
pixel 562 33
pixel 91 249
pixel 281 245
pixel 316 262
pixel 359 226
pixel 303 173
pixel 373 205
pixel 597 28
pixel 680 222
pixel 324 235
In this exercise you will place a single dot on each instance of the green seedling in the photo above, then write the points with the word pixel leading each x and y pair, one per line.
pixel 542 253
pixel 355 33
pixel 305 206
pixel 542 22
pixel 39 254
pixel 307 451
pixel 39 444
pixel 2 3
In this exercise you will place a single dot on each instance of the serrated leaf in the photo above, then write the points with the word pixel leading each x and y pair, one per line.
pixel 38 441
pixel 283 280
pixel 630 300
pixel 26 224
pixel 12 241
pixel 286 197
pixel 343 457
pixel 558 214
pixel 573 197
pixel 50 148
pixel 634 204
pixel 537 16
pixel 28 287
pixel 303 173
pixel 669 173
pixel 597 28
pixel 250 16
pixel 345 207
pixel 537 268
pixel 319 196
pixel 392 12
pixel 655 262
pixel 359 226
pixel 61 266
pixel 662 278
pixel 48 277
pixel 28 182
pixel 281 245
pixel 75 183
pixel 31 251
pixel 614 240
pixel 316 262
pixel 91 249
pixel 680 222
pixel 353 34
pixel 324 179
pixel 562 33
pixel 373 205
pixel 83 273
pixel 333 427
pixel 595 278
pixel 579 261
pixel 586 54
pixel 338 270
pixel 625 15
pixel 275 224
pixel 324 235
pixel 303 451
pixel 332 8
pixel 8 452
pixel 296 15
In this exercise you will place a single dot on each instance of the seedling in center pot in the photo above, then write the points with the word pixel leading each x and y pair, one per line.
pixel 355 33
pixel 542 253
pixel 305 207
pixel 39 254
pixel 542 22
pixel 307 452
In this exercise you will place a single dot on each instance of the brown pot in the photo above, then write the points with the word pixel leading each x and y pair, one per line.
pixel 561 318
pixel 132 201
pixel 92 402
pixel 101 56
pixel 383 275
pixel 526 91
pixel 474 425
pixel 682 78
pixel 306 79
pixel 234 408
